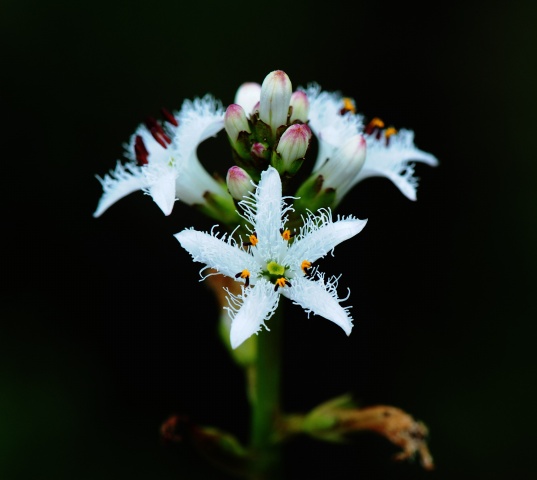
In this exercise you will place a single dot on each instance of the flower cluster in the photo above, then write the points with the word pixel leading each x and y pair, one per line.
pixel 282 232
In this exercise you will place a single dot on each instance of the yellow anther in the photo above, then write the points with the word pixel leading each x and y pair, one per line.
pixel 389 132
pixel 253 240
pixel 246 275
pixel 305 266
pixel 348 105
pixel 376 123
pixel 286 234
pixel 281 282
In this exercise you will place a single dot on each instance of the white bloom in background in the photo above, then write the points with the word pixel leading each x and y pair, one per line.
pixel 390 154
pixel 162 159
pixel 275 262
pixel 248 95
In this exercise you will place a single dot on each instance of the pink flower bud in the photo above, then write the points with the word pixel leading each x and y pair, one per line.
pixel 239 183
pixel 301 106
pixel 276 93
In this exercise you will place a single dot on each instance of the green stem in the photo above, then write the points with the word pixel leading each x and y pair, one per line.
pixel 266 401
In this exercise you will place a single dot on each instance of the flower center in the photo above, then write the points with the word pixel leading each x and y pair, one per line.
pixel 275 273
pixel 274 268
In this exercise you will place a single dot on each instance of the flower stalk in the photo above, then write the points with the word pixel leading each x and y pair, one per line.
pixel 265 402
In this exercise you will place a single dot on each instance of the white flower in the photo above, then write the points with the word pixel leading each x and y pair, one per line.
pixel 162 159
pixel 392 156
pixel 275 262
pixel 389 154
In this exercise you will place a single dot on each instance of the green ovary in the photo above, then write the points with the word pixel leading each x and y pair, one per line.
pixel 275 268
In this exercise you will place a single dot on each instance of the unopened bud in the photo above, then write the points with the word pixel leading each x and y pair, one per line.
pixel 235 121
pixel 259 150
pixel 292 148
pixel 301 106
pixel 239 183
pixel 248 95
pixel 276 93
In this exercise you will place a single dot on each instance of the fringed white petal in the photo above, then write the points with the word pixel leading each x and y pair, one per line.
pixel 265 210
pixel 250 310
pixel 331 128
pixel 198 120
pixel 119 183
pixel 221 253
pixel 393 161
pixel 320 234
pixel 321 298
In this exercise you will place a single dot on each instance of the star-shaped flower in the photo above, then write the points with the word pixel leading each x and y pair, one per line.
pixel 273 261
pixel 162 160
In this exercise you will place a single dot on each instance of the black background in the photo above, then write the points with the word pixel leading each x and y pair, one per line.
pixel 105 330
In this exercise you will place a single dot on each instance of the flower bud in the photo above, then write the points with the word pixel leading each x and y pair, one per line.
pixel 259 150
pixel 248 95
pixel 235 122
pixel 276 93
pixel 239 183
pixel 292 148
pixel 301 106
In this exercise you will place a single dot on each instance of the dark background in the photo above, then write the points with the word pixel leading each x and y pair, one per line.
pixel 105 330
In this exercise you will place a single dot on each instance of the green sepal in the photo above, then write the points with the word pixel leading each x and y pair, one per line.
pixel 242 145
pixel 261 131
pixel 285 169
pixel 312 196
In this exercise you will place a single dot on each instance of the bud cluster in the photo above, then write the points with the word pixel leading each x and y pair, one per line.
pixel 268 126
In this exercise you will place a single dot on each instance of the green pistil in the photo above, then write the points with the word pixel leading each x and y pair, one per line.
pixel 275 269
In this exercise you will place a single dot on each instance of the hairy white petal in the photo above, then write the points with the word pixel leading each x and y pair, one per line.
pixel 321 298
pixel 258 305
pixel 264 209
pixel 331 128
pixel 393 161
pixel 198 119
pixel 320 234
pixel 119 183
pixel 221 254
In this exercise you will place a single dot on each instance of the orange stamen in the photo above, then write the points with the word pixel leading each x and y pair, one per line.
pixel 286 234
pixel 389 132
pixel 305 266
pixel 348 105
